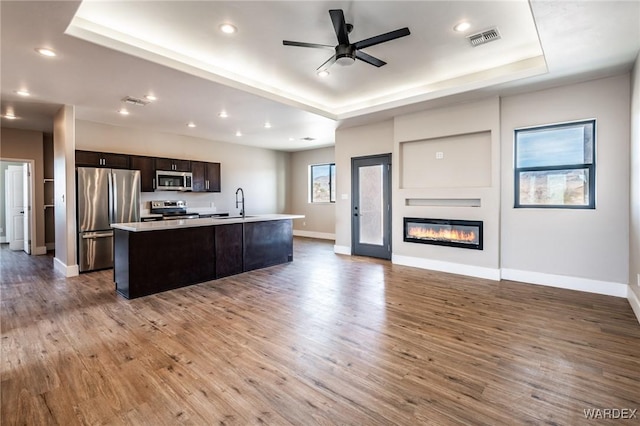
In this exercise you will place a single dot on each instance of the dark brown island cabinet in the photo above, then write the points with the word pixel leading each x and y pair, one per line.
pixel 153 257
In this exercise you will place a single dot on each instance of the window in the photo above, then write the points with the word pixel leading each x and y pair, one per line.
pixel 555 166
pixel 322 179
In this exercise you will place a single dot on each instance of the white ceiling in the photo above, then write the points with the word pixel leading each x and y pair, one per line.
pixel 174 50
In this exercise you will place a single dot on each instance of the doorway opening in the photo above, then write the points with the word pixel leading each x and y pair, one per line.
pixel 17 222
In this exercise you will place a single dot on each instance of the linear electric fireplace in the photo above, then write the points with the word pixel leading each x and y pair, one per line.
pixel 444 232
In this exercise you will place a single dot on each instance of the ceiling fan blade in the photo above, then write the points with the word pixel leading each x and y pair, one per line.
pixel 302 44
pixel 337 17
pixel 382 38
pixel 327 63
pixel 369 59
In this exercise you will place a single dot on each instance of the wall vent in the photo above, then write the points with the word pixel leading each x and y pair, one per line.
pixel 484 37
pixel 308 139
pixel 134 101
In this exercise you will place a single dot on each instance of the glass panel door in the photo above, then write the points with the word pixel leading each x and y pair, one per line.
pixel 371 209
pixel 370 205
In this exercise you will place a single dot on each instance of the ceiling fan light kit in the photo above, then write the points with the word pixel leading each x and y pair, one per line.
pixel 346 52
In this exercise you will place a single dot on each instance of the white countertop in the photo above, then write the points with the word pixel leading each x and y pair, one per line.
pixel 190 223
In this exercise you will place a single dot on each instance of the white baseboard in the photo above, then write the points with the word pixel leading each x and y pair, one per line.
pixel 571 283
pixel 51 246
pixel 342 250
pixel 67 271
pixel 312 234
pixel 453 268
pixel 38 251
pixel 634 302
pixel 3 240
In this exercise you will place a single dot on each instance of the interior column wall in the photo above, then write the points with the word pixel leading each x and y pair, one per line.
pixel 64 191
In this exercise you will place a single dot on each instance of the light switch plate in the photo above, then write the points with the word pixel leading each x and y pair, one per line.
pixel 344 196
pixel 439 155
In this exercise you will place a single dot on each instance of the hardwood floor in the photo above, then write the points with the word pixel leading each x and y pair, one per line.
pixel 326 339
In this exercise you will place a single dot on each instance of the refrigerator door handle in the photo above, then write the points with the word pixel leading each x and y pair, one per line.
pixel 113 194
pixel 92 235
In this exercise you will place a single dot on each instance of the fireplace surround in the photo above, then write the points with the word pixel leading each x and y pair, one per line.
pixel 444 232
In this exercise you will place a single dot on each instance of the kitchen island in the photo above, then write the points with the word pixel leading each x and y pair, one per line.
pixel 151 257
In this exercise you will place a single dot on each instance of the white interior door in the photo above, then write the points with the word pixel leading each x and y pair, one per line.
pixel 26 217
pixel 15 208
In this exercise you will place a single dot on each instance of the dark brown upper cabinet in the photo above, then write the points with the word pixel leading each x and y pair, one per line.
pixel 147 169
pixel 102 159
pixel 206 176
pixel 171 164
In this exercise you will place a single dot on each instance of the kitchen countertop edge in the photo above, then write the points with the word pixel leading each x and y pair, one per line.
pixel 192 223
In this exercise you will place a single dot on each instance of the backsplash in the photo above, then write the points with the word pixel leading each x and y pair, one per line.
pixel 200 202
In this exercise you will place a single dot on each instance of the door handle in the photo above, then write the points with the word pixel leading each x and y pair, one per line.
pixel 22 211
pixel 92 235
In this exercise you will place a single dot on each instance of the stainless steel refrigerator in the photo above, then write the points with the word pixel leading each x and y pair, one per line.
pixel 105 196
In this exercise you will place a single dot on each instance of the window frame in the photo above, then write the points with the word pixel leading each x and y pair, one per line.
pixel 590 167
pixel 332 192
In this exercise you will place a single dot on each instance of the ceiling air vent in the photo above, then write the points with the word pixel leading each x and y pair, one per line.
pixel 308 139
pixel 484 37
pixel 134 101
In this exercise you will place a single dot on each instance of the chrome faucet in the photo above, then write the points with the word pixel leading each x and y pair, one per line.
pixel 241 201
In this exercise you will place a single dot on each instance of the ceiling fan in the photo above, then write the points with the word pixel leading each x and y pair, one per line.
pixel 347 52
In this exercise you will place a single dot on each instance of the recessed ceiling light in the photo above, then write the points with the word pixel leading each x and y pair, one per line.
pixel 23 92
pixel 238 133
pixel 123 111
pixel 462 26
pixel 150 98
pixel 323 73
pixel 10 116
pixel 44 51
pixel 223 114
pixel 267 125
pixel 191 124
pixel 228 28
pixel 291 139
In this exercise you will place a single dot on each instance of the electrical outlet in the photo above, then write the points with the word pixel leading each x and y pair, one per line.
pixel 304 223
pixel 638 280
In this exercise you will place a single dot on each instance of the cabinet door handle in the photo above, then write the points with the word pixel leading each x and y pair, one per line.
pixel 153 183
pixel 206 184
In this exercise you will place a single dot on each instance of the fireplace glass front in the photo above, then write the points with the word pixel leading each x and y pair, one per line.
pixel 444 232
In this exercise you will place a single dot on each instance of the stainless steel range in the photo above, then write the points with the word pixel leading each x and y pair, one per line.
pixel 172 209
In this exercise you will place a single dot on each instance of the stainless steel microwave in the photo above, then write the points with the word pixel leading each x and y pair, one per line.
pixel 174 181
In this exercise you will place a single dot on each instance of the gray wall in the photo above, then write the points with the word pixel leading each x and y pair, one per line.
pixel 591 244
pixel 634 231
pixel 319 219
pixel 28 145
pixel 582 249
